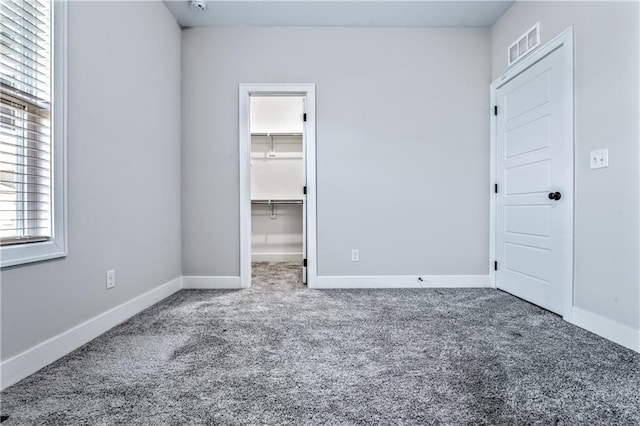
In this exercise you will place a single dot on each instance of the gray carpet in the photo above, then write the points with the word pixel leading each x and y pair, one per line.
pixel 280 353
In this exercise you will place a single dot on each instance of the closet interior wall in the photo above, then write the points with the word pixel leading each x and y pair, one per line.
pixel 277 179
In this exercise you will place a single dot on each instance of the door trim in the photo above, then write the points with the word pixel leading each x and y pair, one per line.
pixel 307 90
pixel 564 40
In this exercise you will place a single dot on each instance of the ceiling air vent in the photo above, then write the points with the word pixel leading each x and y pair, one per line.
pixel 524 44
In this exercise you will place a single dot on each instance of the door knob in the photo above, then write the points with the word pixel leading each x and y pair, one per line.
pixel 555 196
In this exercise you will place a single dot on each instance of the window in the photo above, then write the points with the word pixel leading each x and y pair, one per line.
pixel 32 145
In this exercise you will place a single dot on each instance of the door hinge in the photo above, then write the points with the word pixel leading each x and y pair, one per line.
pixel 304 190
pixel 304 262
pixel 495 265
pixel 495 110
pixel 304 117
pixel 495 188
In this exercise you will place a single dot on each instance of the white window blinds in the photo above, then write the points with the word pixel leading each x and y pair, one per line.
pixel 25 121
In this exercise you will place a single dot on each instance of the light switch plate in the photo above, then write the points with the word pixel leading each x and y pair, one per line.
pixel 599 158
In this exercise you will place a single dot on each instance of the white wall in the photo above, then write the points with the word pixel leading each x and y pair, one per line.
pixel 276 114
pixel 124 174
pixel 606 115
pixel 277 177
pixel 402 144
pixel 276 239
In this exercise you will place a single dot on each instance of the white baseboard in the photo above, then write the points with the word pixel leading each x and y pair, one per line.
pixel 28 362
pixel 403 281
pixel 211 282
pixel 609 329
pixel 276 257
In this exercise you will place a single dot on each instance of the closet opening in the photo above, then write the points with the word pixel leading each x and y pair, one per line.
pixel 277 185
pixel 277 190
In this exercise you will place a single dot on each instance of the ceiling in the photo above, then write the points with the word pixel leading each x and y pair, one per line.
pixel 333 13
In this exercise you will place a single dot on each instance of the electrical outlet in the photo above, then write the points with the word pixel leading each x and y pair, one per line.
pixel 355 255
pixel 111 278
pixel 599 158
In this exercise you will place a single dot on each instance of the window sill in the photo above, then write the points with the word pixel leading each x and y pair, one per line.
pixel 21 254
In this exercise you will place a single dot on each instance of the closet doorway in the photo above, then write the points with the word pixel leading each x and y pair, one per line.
pixel 277 180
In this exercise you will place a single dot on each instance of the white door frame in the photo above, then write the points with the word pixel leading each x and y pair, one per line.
pixel 307 90
pixel 564 40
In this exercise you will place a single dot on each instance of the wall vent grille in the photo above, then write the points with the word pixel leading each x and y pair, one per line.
pixel 524 44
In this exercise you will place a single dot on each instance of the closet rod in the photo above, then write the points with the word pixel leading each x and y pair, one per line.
pixel 276 201
pixel 276 134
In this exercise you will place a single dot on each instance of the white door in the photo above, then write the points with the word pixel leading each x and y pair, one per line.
pixel 534 164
